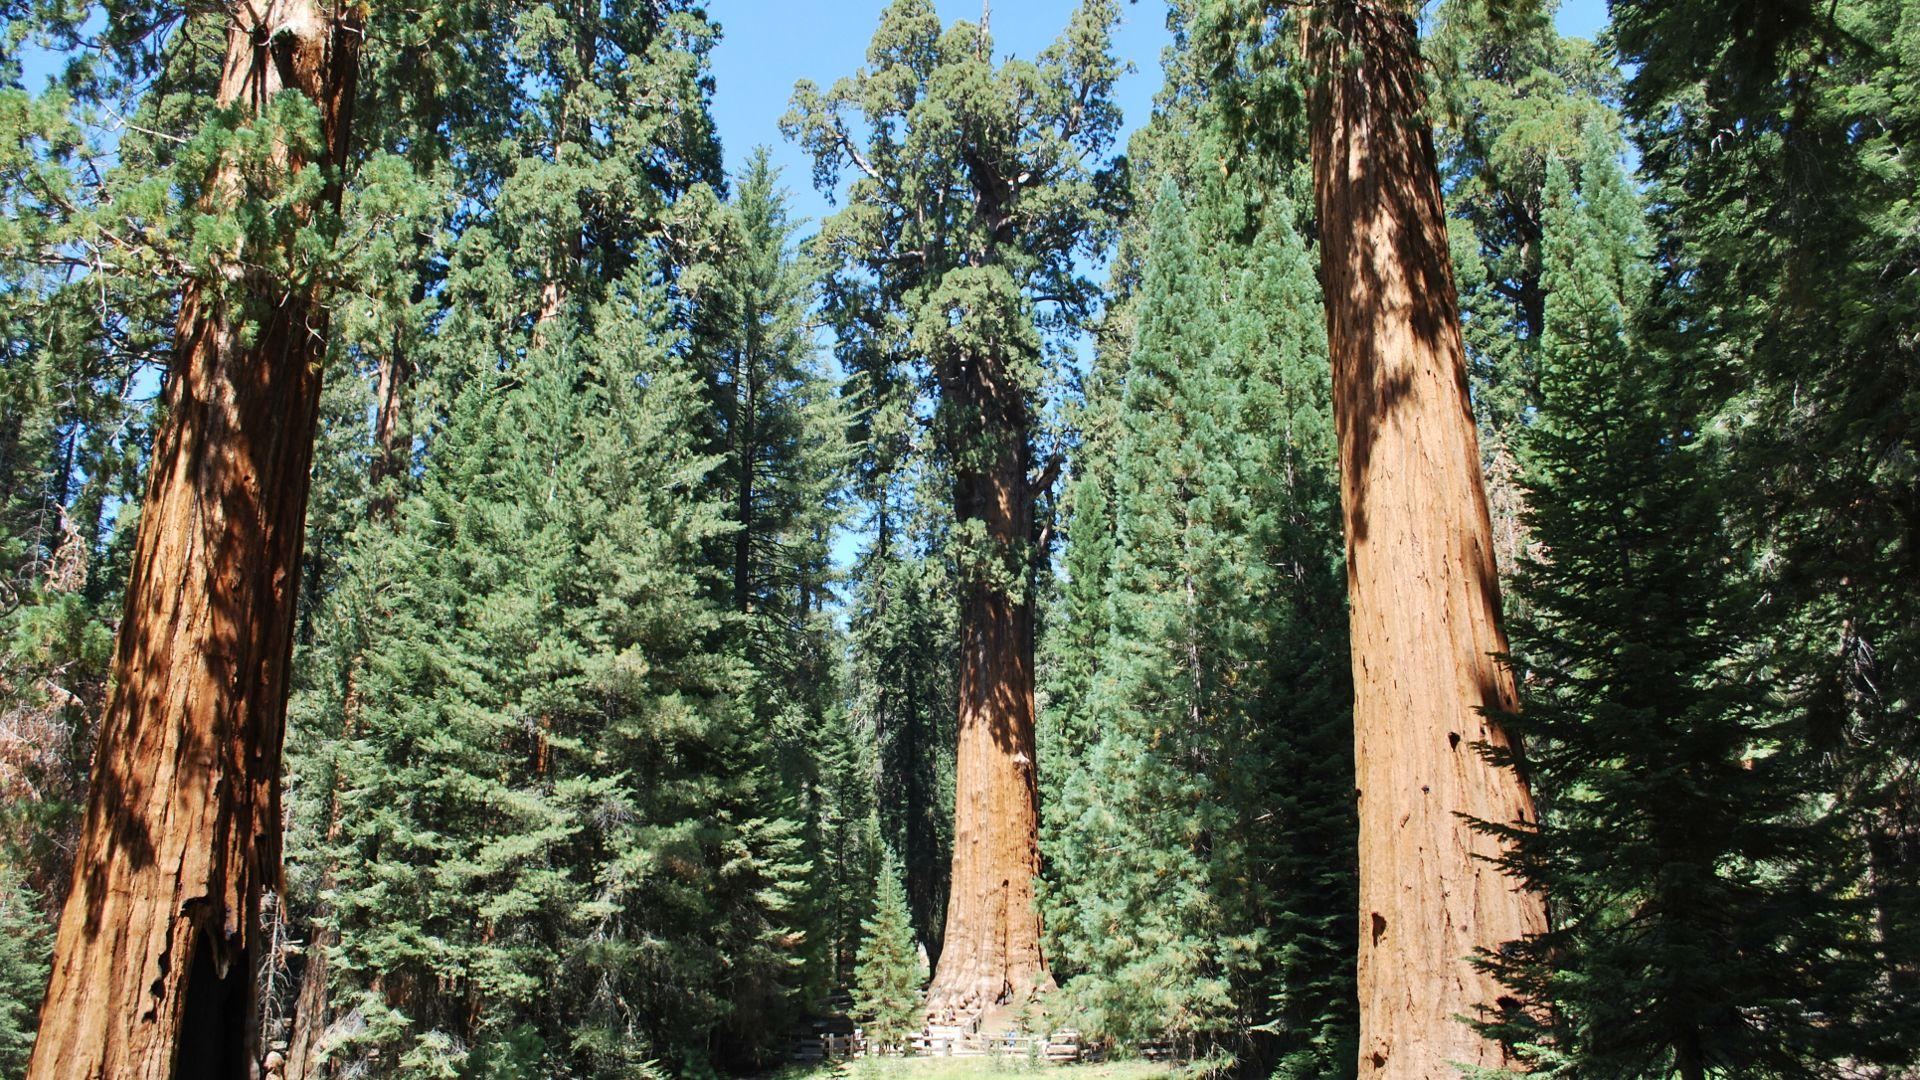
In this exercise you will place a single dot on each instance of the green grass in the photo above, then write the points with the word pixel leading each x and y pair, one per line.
pixel 946 1068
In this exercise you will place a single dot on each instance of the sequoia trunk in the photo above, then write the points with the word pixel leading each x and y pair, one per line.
pixel 392 441
pixel 990 952
pixel 1424 593
pixel 153 972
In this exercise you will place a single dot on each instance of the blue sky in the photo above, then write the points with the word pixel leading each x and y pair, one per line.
pixel 767 45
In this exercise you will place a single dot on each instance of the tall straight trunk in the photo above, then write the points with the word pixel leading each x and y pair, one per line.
pixel 745 436
pixel 1425 597
pixel 153 972
pixel 990 952
pixel 392 440
pixel 922 858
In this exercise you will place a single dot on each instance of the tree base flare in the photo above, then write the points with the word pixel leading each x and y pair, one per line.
pixel 967 996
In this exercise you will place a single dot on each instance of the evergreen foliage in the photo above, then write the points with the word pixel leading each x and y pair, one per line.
pixel 780 430
pixel 903 646
pixel 553 802
pixel 1196 841
pixel 1702 882
pixel 888 979
pixel 25 945
pixel 605 758
pixel 1514 95
pixel 1779 143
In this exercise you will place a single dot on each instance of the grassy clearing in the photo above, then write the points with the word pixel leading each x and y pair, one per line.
pixel 946 1068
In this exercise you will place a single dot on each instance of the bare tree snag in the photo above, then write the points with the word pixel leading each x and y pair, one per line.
pixel 990 952
pixel 1425 597
pixel 153 968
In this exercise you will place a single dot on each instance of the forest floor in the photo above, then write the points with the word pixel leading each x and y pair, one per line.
pixel 975 1068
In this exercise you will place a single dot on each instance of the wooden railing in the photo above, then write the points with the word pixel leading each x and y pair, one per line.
pixel 1057 1048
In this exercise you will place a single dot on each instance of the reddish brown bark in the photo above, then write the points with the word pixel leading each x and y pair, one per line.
pixel 153 969
pixel 1425 597
pixel 391 439
pixel 990 952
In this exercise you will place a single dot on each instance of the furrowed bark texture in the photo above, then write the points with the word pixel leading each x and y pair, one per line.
pixel 990 951
pixel 153 969
pixel 1424 593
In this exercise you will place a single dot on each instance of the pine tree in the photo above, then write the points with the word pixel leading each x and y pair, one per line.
pixel 1149 932
pixel 1300 814
pixel 888 978
pixel 1702 925
pixel 1278 866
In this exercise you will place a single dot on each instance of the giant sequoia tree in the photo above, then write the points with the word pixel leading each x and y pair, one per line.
pixel 154 965
pixel 978 184
pixel 1425 598
pixel 1422 586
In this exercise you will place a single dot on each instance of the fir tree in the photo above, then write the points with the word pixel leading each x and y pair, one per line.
pixel 780 430
pixel 555 802
pixel 1156 953
pixel 1702 926
pixel 25 944
pixel 903 649
pixel 1513 95
pixel 1197 846
pixel 1781 145
pixel 889 976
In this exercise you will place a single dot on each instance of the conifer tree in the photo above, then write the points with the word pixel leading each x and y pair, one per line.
pixel 1196 846
pixel 95 223
pixel 555 803
pixel 779 424
pixel 1300 813
pixel 1779 143
pixel 781 432
pixel 903 651
pixel 965 218
pixel 1423 587
pixel 1072 648
pixel 1281 859
pixel 1160 955
pixel 24 948
pixel 889 976
pixel 1511 94
pixel 1702 922
pixel 160 937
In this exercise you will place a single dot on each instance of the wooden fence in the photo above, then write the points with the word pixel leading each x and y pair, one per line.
pixel 1056 1048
